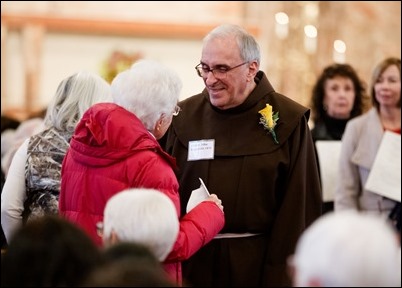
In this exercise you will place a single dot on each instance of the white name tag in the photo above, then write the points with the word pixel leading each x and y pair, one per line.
pixel 201 149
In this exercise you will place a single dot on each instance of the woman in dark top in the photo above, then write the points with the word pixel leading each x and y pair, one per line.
pixel 338 96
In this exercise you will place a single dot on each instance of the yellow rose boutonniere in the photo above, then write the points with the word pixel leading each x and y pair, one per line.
pixel 268 120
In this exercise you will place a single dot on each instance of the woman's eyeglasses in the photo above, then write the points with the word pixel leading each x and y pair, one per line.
pixel 176 111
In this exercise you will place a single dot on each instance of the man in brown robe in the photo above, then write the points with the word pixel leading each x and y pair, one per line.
pixel 265 175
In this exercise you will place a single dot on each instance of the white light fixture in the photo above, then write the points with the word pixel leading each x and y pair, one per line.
pixel 339 55
pixel 310 38
pixel 281 25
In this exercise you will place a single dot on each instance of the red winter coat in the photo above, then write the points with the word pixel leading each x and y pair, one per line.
pixel 110 151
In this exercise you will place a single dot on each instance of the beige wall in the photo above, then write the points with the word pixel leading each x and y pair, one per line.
pixel 64 55
pixel 35 59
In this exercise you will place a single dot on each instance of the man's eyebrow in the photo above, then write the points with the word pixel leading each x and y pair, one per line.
pixel 215 66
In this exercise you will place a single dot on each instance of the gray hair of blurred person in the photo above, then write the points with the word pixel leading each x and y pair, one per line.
pixel 73 97
pixel 248 46
pixel 144 216
pixel 148 89
pixel 347 249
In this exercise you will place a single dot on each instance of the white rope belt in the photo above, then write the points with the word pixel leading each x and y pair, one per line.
pixel 235 235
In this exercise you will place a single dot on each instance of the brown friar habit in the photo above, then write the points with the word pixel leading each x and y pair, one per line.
pixel 269 189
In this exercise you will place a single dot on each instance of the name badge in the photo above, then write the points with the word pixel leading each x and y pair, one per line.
pixel 201 149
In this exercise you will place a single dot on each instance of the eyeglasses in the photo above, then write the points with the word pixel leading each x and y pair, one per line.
pixel 176 111
pixel 219 71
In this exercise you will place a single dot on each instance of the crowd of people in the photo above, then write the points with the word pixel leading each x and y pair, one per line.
pixel 97 197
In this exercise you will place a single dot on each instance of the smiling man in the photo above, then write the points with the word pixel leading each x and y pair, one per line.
pixel 266 175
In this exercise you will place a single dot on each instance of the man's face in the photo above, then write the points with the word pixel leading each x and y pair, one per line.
pixel 226 90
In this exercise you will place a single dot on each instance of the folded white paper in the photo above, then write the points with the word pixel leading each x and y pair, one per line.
pixel 328 157
pixel 385 175
pixel 197 196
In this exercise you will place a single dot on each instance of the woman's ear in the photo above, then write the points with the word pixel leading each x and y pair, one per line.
pixel 161 126
pixel 111 240
pixel 159 123
pixel 114 239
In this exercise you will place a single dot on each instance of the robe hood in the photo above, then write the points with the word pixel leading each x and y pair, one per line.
pixel 245 117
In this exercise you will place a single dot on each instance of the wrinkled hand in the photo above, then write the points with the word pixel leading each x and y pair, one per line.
pixel 216 200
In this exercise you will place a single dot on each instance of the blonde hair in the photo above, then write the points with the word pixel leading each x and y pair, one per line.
pixel 73 97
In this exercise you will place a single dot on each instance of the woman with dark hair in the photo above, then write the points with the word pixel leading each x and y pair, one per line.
pixel 338 96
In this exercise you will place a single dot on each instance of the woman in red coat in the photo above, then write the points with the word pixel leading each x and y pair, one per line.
pixel 115 147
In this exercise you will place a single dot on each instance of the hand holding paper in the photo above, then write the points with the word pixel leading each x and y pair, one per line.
pixel 202 194
pixel 197 196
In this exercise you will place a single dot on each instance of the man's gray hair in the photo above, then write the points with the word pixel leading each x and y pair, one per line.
pixel 248 46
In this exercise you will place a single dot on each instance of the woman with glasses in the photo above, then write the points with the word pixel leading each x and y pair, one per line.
pixel 253 148
pixel 115 148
